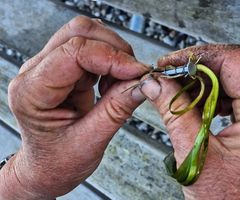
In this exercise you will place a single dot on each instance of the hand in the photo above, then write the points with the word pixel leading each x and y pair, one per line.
pixel 220 175
pixel 64 134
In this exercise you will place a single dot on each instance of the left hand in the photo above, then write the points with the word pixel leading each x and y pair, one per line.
pixel 220 176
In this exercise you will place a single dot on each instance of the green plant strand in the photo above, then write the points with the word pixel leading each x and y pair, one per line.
pixel 195 101
pixel 190 169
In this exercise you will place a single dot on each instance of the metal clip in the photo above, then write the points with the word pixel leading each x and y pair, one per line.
pixel 189 69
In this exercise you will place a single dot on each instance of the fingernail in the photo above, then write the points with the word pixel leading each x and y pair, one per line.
pixel 150 88
pixel 137 95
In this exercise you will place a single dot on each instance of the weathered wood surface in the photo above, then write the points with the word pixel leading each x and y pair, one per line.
pixel 81 193
pixel 29 31
pixel 9 143
pixel 7 72
pixel 131 168
pixel 214 21
pixel 134 170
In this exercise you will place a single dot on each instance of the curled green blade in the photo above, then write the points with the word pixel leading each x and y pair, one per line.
pixel 194 102
pixel 190 169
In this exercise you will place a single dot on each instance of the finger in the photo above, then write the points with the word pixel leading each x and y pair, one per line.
pixel 225 107
pixel 236 109
pixel 182 128
pixel 82 98
pixel 222 59
pixel 89 28
pixel 80 26
pixel 50 83
pixel 212 55
pixel 230 138
pixel 80 101
pixel 107 116
pixel 105 83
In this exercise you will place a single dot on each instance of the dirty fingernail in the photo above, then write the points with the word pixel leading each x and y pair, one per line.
pixel 137 95
pixel 150 88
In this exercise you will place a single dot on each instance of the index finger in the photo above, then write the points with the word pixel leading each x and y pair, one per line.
pixel 53 79
pixel 212 55
pixel 79 26
pixel 223 59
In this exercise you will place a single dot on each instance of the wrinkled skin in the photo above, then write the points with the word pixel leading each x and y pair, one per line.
pixel 65 134
pixel 220 176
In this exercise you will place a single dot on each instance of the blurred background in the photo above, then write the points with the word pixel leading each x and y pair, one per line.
pixel 132 167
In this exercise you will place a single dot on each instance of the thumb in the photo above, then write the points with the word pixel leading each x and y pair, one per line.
pixel 109 114
pixel 182 128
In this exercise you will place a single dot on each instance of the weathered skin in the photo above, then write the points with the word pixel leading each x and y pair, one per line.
pixel 64 134
pixel 220 176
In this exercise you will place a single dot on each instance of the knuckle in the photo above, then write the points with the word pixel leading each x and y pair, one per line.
pixel 116 111
pixel 32 62
pixel 115 57
pixel 73 46
pixel 81 24
pixel 128 48
pixel 13 94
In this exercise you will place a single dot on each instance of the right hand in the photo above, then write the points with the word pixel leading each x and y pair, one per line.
pixel 221 172
pixel 64 133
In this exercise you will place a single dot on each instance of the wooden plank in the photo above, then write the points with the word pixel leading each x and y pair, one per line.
pixel 7 72
pixel 9 143
pixel 200 18
pixel 131 167
pixel 83 192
